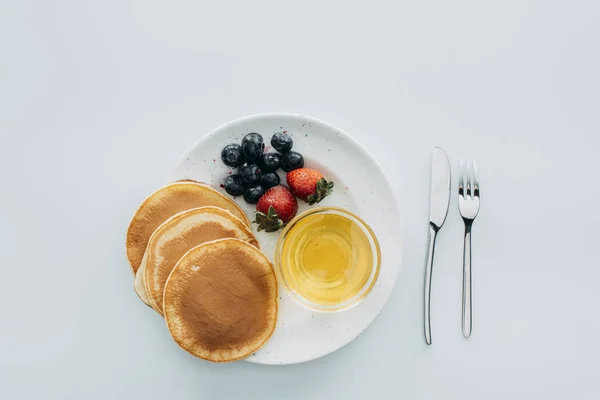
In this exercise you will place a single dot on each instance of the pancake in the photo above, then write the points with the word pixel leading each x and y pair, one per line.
pixel 174 237
pixel 166 202
pixel 220 300
pixel 140 287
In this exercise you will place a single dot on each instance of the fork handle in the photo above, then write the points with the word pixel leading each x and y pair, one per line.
pixel 467 300
pixel 428 273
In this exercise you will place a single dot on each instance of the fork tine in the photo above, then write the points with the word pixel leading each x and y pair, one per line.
pixel 461 177
pixel 472 177
pixel 475 180
pixel 467 177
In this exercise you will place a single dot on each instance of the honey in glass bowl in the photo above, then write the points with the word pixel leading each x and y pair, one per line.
pixel 328 259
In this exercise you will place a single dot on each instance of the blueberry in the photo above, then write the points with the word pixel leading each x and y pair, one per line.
pixel 252 147
pixel 234 185
pixel 250 173
pixel 253 193
pixel 231 155
pixel 291 160
pixel 269 179
pixel 269 162
pixel 282 142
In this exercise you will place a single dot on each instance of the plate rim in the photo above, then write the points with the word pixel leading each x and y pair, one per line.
pixel 362 148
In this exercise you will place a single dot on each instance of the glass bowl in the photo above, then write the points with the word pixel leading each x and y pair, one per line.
pixel 340 273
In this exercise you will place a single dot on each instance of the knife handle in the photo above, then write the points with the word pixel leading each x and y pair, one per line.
pixel 428 273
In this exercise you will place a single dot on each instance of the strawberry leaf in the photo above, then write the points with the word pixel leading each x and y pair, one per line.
pixel 323 190
pixel 268 222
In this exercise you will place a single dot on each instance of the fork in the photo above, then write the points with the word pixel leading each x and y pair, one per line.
pixel 468 205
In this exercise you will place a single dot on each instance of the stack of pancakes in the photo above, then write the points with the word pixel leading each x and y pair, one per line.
pixel 197 263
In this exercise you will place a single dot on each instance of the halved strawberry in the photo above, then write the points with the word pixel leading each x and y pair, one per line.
pixel 275 208
pixel 309 185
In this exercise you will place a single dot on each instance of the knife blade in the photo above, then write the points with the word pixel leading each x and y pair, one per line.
pixel 439 201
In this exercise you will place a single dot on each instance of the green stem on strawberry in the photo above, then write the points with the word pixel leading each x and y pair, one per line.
pixel 269 222
pixel 322 190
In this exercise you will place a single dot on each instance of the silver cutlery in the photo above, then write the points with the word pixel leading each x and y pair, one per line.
pixel 468 205
pixel 438 209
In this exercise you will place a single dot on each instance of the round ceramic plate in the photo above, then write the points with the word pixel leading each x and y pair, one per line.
pixel 360 186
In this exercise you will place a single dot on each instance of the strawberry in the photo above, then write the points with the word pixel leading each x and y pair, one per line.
pixel 309 185
pixel 275 208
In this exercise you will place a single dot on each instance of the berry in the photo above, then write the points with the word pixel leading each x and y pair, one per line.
pixel 291 160
pixel 234 185
pixel 252 147
pixel 282 142
pixel 253 194
pixel 309 185
pixel 269 179
pixel 250 173
pixel 231 155
pixel 275 208
pixel 269 162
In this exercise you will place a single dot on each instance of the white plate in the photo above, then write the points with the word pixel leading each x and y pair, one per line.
pixel 360 186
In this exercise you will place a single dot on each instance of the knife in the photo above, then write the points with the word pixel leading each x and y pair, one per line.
pixel 438 209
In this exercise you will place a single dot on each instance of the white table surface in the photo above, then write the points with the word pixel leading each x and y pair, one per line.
pixel 99 99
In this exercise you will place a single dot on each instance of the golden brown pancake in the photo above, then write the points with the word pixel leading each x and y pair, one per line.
pixel 140 286
pixel 174 237
pixel 166 202
pixel 220 300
